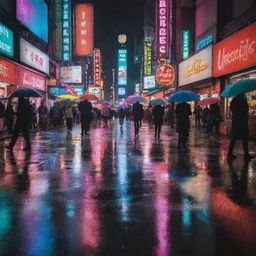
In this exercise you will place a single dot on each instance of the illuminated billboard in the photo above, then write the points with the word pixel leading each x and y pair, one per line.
pixel 84 29
pixel 66 24
pixel 122 67
pixel 185 44
pixel 121 91
pixel 6 40
pixel 147 59
pixel 33 14
pixel 162 27
pixel 97 67
pixel 149 82
pixel 71 74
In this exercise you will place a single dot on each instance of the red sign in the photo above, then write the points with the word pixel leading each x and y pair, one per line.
pixel 236 52
pixel 165 74
pixel 162 27
pixel 84 29
pixel 7 74
pixel 30 79
pixel 97 67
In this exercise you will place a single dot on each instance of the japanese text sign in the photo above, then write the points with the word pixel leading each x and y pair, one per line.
pixel 147 58
pixel 122 67
pixel 66 41
pixel 7 72
pixel 6 40
pixel 165 74
pixel 97 67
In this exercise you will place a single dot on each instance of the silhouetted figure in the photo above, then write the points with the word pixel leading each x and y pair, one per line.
pixel 2 112
pixel 137 113
pixel 23 122
pixel 69 117
pixel 183 111
pixel 9 116
pixel 171 114
pixel 121 115
pixel 85 108
pixel 214 118
pixel 43 115
pixel 105 112
pixel 240 130
pixel 198 115
pixel 158 117
pixel 205 114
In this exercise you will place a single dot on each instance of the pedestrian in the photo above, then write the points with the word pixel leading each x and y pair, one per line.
pixel 54 115
pixel 171 115
pixel 137 114
pixel 158 114
pixel 205 114
pixel 240 130
pixel 198 115
pixel 23 122
pixel 105 112
pixel 42 112
pixel 69 117
pixel 2 112
pixel 85 108
pixel 34 121
pixel 121 116
pixel 214 119
pixel 9 116
pixel 183 111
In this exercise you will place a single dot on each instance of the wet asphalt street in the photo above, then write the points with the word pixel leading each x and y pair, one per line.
pixel 112 194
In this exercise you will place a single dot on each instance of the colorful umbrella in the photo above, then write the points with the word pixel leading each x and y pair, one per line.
pixel 67 97
pixel 134 99
pixel 88 96
pixel 158 101
pixel 239 87
pixel 100 101
pixel 25 92
pixel 209 101
pixel 106 103
pixel 183 96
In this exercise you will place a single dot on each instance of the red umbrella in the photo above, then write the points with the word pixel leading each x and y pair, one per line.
pixel 88 96
pixel 209 101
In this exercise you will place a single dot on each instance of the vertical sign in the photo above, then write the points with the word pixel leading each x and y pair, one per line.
pixel 122 67
pixel 185 44
pixel 97 67
pixel 66 39
pixel 6 40
pixel 147 58
pixel 84 29
pixel 162 27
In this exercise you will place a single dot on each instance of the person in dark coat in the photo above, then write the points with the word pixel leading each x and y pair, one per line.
pixel 9 116
pixel 240 130
pixel 121 116
pixel 85 108
pixel 205 114
pixel 198 115
pixel 214 119
pixel 23 122
pixel 158 117
pixel 137 113
pixel 183 111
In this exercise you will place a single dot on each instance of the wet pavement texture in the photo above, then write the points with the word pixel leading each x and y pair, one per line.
pixel 114 194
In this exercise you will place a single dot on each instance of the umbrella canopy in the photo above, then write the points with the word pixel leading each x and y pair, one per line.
pixel 100 101
pixel 183 96
pixel 239 87
pixel 25 92
pixel 209 101
pixel 88 96
pixel 158 101
pixel 134 99
pixel 67 97
pixel 106 103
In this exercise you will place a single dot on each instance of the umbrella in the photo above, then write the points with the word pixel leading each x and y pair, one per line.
pixel 100 101
pixel 88 96
pixel 25 92
pixel 67 97
pixel 183 96
pixel 158 101
pixel 239 87
pixel 106 103
pixel 134 99
pixel 209 101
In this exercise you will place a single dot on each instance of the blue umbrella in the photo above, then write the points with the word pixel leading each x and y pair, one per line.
pixel 183 96
pixel 158 101
pixel 25 92
pixel 239 87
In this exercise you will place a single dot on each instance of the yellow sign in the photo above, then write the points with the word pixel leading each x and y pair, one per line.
pixel 147 59
pixel 196 67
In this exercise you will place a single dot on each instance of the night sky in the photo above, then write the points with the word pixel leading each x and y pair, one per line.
pixel 111 18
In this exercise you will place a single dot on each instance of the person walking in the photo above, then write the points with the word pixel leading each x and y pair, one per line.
pixel 205 114
pixel 85 108
pixel 105 112
pixel 171 114
pixel 137 113
pixel 121 116
pixel 158 117
pixel 9 116
pixel 34 121
pixel 23 122
pixel 42 112
pixel 54 115
pixel 69 117
pixel 2 112
pixel 214 119
pixel 183 111
pixel 198 115
pixel 240 130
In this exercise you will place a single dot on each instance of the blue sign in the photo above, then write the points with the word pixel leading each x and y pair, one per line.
pixel 185 44
pixel 79 90
pixel 6 40
pixel 56 91
pixel 121 91
pixel 122 67
pixel 204 42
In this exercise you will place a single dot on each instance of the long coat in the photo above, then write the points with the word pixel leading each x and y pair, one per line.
pixel 183 111
pixel 85 107
pixel 24 114
pixel 158 115
pixel 137 112
pixel 239 109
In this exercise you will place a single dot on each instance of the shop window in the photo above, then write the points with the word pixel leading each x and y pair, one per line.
pixel 251 96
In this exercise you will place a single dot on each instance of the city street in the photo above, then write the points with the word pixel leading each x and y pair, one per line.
pixel 112 194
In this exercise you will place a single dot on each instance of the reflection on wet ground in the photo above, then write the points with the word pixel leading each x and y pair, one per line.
pixel 114 194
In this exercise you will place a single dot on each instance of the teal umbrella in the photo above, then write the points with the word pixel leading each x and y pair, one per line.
pixel 158 101
pixel 24 92
pixel 183 96
pixel 239 87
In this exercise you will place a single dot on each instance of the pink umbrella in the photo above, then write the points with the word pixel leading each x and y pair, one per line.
pixel 106 103
pixel 209 101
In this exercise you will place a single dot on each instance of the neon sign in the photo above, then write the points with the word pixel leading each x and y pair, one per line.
pixel 97 67
pixel 147 59
pixel 204 42
pixel 185 44
pixel 122 67
pixel 66 42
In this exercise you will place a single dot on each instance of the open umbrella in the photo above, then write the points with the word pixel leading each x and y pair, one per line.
pixel 24 92
pixel 88 96
pixel 134 99
pixel 239 87
pixel 106 103
pixel 209 101
pixel 100 101
pixel 67 97
pixel 158 101
pixel 183 96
